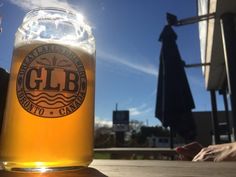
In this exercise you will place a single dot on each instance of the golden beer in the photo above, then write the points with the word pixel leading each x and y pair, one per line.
pixel 49 115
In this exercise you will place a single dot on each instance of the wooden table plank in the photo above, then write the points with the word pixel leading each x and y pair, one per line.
pixel 132 153
pixel 141 168
pixel 155 168
pixel 137 150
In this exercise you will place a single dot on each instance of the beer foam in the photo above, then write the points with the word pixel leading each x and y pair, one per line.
pixel 56 26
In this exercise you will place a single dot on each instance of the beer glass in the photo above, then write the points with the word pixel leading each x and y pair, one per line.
pixel 49 115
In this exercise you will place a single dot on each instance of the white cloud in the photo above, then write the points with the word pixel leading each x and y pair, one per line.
pixel 144 68
pixel 32 4
pixel 140 110
pixel 101 122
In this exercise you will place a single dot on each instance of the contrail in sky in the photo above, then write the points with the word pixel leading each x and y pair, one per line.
pixel 144 68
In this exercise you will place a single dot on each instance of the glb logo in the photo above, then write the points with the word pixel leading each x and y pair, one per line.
pixel 51 81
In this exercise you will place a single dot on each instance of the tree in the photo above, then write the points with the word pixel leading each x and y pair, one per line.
pixel 157 131
pixel 103 137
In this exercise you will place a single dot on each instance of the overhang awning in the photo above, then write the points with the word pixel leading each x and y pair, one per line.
pixel 211 41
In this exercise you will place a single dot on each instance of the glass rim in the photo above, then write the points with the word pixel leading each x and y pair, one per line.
pixel 71 12
pixel 52 8
pixel 34 16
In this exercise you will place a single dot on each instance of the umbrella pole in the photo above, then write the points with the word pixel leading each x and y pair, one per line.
pixel 171 142
pixel 171 138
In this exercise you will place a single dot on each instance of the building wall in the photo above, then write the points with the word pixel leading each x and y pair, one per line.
pixel 204 126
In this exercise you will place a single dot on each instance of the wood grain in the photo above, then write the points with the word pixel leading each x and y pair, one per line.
pixel 141 168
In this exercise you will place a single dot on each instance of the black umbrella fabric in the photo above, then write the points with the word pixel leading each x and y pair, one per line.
pixel 174 99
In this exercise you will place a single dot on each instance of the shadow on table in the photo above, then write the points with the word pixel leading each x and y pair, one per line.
pixel 84 172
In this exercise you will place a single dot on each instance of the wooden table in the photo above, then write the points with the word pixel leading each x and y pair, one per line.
pixel 142 168
pixel 133 153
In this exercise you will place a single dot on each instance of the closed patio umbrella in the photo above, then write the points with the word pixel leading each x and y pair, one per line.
pixel 174 102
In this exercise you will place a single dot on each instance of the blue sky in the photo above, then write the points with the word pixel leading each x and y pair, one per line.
pixel 126 33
